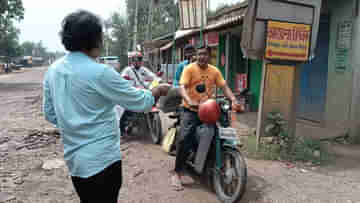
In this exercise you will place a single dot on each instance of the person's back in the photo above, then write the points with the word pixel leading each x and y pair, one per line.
pixel 79 98
pixel 78 105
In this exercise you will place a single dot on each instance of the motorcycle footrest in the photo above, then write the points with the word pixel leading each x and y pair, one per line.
pixel 173 116
pixel 190 163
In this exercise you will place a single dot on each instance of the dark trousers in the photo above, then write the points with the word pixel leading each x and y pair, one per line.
pixel 103 187
pixel 187 142
pixel 124 121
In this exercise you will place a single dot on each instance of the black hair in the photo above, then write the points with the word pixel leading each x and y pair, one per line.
pixel 81 30
pixel 189 47
pixel 204 46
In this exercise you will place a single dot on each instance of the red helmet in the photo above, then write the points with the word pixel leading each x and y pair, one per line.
pixel 137 57
pixel 138 54
pixel 209 111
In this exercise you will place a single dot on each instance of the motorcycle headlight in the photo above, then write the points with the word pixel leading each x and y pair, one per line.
pixel 226 107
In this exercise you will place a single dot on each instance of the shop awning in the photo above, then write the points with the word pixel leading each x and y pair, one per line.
pixel 167 46
pixel 183 33
pixel 153 51
pixel 154 44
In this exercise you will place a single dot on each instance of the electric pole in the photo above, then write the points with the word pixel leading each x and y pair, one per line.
pixel 136 24
pixel 150 20
pixel 149 31
pixel 107 38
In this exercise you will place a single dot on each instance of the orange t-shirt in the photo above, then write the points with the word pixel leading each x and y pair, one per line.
pixel 193 76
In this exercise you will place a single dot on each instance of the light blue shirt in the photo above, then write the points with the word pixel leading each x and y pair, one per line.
pixel 80 96
pixel 178 73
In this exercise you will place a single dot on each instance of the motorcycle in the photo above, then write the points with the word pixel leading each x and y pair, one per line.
pixel 217 158
pixel 148 122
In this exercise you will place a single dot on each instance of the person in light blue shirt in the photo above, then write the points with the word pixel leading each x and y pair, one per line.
pixel 80 96
pixel 189 52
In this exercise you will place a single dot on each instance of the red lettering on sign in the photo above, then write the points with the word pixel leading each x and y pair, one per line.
pixel 294 34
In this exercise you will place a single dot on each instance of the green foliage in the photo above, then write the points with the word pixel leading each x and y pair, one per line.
pixel 118 40
pixel 164 16
pixel 306 149
pixel 10 10
pixel 9 43
pixel 28 47
pixel 276 127
pixel 266 151
pixel 36 49
pixel 120 27
pixel 278 148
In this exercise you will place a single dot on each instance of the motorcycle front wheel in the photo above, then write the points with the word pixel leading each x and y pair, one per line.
pixel 230 181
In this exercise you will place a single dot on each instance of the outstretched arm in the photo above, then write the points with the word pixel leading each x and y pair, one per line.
pixel 48 106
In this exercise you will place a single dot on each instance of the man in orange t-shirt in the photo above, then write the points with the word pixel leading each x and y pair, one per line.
pixel 197 84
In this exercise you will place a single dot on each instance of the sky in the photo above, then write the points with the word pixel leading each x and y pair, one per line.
pixel 42 20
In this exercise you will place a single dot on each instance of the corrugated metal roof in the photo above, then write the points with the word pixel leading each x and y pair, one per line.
pixel 225 22
pixel 228 21
pixel 225 11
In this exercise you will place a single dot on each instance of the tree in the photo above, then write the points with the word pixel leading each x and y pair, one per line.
pixel 118 39
pixel 37 49
pixel 164 18
pixel 9 10
pixel 28 48
pixel 40 50
pixel 9 43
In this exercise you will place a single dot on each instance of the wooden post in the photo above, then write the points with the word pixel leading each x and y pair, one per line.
pixel 292 97
pixel 259 129
pixel 294 105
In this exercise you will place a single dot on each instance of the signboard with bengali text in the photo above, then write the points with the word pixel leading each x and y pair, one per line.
pixel 287 41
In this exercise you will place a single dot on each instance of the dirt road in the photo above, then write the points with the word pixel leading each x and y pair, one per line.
pixel 24 153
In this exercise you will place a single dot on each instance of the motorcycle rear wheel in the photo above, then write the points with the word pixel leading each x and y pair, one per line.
pixel 155 127
pixel 230 182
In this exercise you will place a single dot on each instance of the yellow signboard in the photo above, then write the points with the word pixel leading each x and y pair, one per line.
pixel 287 41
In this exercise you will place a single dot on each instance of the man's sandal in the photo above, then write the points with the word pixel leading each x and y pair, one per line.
pixel 176 183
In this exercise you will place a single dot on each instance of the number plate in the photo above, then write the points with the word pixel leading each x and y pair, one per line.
pixel 228 134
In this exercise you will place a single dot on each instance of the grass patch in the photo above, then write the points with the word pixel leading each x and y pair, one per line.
pixel 310 150
pixel 305 150
pixel 266 152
